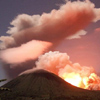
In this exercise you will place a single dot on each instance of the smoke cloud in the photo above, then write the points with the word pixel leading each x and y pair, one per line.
pixel 77 35
pixel 26 52
pixel 60 64
pixel 54 26
pixel 31 35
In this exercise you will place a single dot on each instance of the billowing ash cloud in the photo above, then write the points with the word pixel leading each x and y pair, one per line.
pixel 74 73
pixel 59 63
pixel 49 28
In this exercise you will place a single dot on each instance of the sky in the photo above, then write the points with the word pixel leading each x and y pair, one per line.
pixel 85 51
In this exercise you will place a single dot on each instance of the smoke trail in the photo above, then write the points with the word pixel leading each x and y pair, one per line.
pixel 50 27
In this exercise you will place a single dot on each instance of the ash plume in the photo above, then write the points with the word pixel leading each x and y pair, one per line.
pixel 48 28
pixel 60 64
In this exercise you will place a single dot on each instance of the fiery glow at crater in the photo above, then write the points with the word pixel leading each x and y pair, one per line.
pixel 91 82
pixel 77 75
pixel 73 78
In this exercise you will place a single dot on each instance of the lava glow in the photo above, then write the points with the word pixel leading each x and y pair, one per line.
pixel 77 75
pixel 91 82
pixel 73 78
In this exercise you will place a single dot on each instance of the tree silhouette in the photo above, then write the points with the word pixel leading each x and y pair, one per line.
pixel 3 89
pixel 3 80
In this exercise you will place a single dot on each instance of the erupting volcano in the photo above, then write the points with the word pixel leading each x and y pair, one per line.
pixel 33 40
pixel 43 85
pixel 77 75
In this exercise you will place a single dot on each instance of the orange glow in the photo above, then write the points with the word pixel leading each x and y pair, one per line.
pixel 87 82
pixel 73 78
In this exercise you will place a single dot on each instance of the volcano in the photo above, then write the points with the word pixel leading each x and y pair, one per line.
pixel 44 85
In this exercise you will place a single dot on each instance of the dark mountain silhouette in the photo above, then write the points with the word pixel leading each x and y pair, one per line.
pixel 44 85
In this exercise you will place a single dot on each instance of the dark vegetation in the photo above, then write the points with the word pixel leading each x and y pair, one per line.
pixel 3 88
pixel 43 85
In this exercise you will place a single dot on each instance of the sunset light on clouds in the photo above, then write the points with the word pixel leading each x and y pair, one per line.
pixel 66 29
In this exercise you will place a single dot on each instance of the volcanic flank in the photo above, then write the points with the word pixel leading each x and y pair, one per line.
pixel 44 85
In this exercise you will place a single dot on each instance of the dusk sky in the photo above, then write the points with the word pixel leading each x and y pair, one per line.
pixel 85 50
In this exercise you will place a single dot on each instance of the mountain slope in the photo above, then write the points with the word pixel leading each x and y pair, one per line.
pixel 41 85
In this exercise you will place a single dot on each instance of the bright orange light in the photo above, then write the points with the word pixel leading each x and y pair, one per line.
pixel 73 78
pixel 86 82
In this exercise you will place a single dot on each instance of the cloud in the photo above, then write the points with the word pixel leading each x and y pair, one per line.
pixel 54 26
pixel 22 22
pixel 6 41
pixel 50 28
pixel 77 35
pixel 25 52
pixel 60 64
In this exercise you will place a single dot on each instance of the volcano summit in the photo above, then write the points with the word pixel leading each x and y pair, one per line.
pixel 44 85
